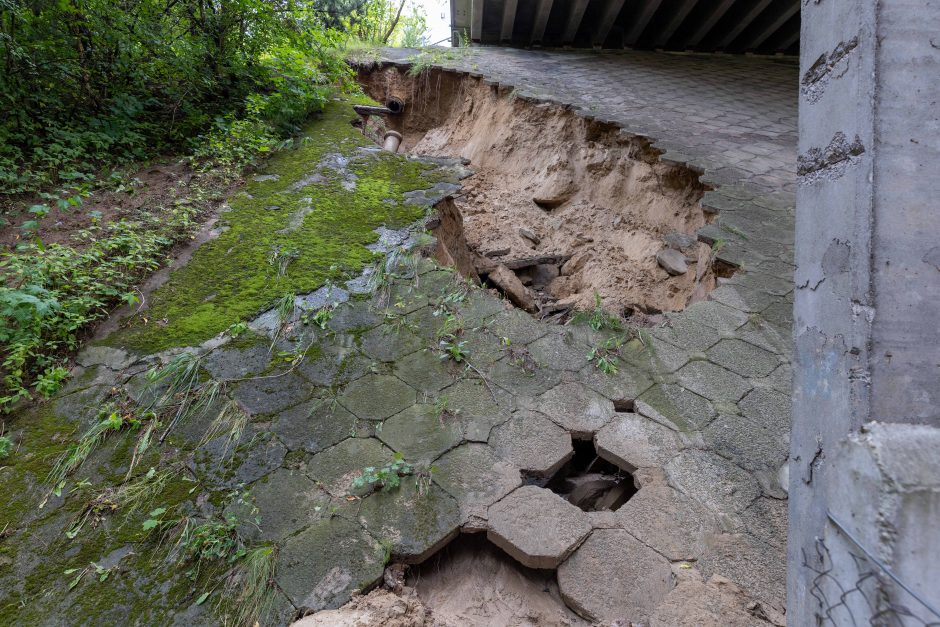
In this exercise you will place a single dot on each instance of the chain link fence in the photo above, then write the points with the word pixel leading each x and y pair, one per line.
pixel 865 591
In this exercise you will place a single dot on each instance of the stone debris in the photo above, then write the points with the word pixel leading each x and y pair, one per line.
pixel 672 261
pixel 507 281
pixel 529 235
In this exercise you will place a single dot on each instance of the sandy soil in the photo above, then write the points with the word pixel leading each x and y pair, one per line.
pixel 470 583
pixel 599 198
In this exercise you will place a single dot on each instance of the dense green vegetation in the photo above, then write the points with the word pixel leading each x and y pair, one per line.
pixel 90 89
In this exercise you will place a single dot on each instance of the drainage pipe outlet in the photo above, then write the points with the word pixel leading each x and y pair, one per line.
pixel 395 104
pixel 392 141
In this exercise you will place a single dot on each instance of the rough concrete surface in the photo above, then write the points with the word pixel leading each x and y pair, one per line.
pixel 537 527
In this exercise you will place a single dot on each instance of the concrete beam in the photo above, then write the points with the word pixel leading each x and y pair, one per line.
pixel 509 20
pixel 542 12
pixel 575 15
pixel 675 22
pixel 641 21
pixel 717 12
pixel 775 25
pixel 744 22
pixel 611 11
pixel 476 20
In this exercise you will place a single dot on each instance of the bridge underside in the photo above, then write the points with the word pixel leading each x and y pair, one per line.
pixel 759 26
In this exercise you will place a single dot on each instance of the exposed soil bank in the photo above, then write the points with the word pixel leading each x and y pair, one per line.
pixel 470 583
pixel 570 205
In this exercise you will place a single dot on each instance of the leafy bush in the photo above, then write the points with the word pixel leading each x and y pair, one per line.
pixel 86 84
pixel 54 291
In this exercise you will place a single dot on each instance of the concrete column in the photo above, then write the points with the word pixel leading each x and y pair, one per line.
pixel 866 315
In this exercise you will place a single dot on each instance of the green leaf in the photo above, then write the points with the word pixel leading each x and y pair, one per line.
pixel 149 524
pixel 202 598
pixel 39 210
pixel 157 512
pixel 76 580
pixel 30 225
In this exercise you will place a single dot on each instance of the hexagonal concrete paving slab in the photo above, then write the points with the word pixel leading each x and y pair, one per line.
pixel 377 396
pixel 416 520
pixel 335 468
pixel 321 566
pixel 473 475
pixel 578 409
pixel 613 577
pixel 667 521
pixel 289 500
pixel 537 527
pixel 420 433
pixel 533 443
pixel 631 441
pixel 314 425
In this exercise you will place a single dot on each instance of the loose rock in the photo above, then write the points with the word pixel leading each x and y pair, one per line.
pixel 529 235
pixel 672 261
pixel 506 280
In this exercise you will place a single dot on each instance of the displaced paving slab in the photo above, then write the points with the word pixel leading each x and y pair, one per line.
pixel 537 527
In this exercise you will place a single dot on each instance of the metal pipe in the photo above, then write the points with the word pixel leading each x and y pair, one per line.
pixel 365 110
pixel 392 141
pixel 395 104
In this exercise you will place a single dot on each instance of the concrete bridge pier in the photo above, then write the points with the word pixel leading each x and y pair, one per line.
pixel 865 460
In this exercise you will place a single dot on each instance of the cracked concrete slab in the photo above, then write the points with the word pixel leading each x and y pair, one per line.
pixel 643 580
pixel 537 527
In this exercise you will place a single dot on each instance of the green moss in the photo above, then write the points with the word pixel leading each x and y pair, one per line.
pixel 232 278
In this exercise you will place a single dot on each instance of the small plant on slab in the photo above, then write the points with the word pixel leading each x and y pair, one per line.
pixel 605 356
pixel 237 330
pixel 6 446
pixel 453 348
pixel 444 412
pixel 600 319
pixel 387 477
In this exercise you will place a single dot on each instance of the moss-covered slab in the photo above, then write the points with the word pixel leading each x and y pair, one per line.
pixel 421 432
pixel 335 468
pixel 559 350
pixel 271 394
pixel 333 364
pixel 314 425
pixel 681 407
pixel 279 505
pixel 425 371
pixel 414 520
pixel 320 567
pixel 477 478
pixel 520 377
pixel 377 396
pixel 478 406
pixel 386 343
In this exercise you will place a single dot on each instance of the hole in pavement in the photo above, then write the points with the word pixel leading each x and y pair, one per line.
pixel 472 582
pixel 559 207
pixel 624 405
pixel 590 481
